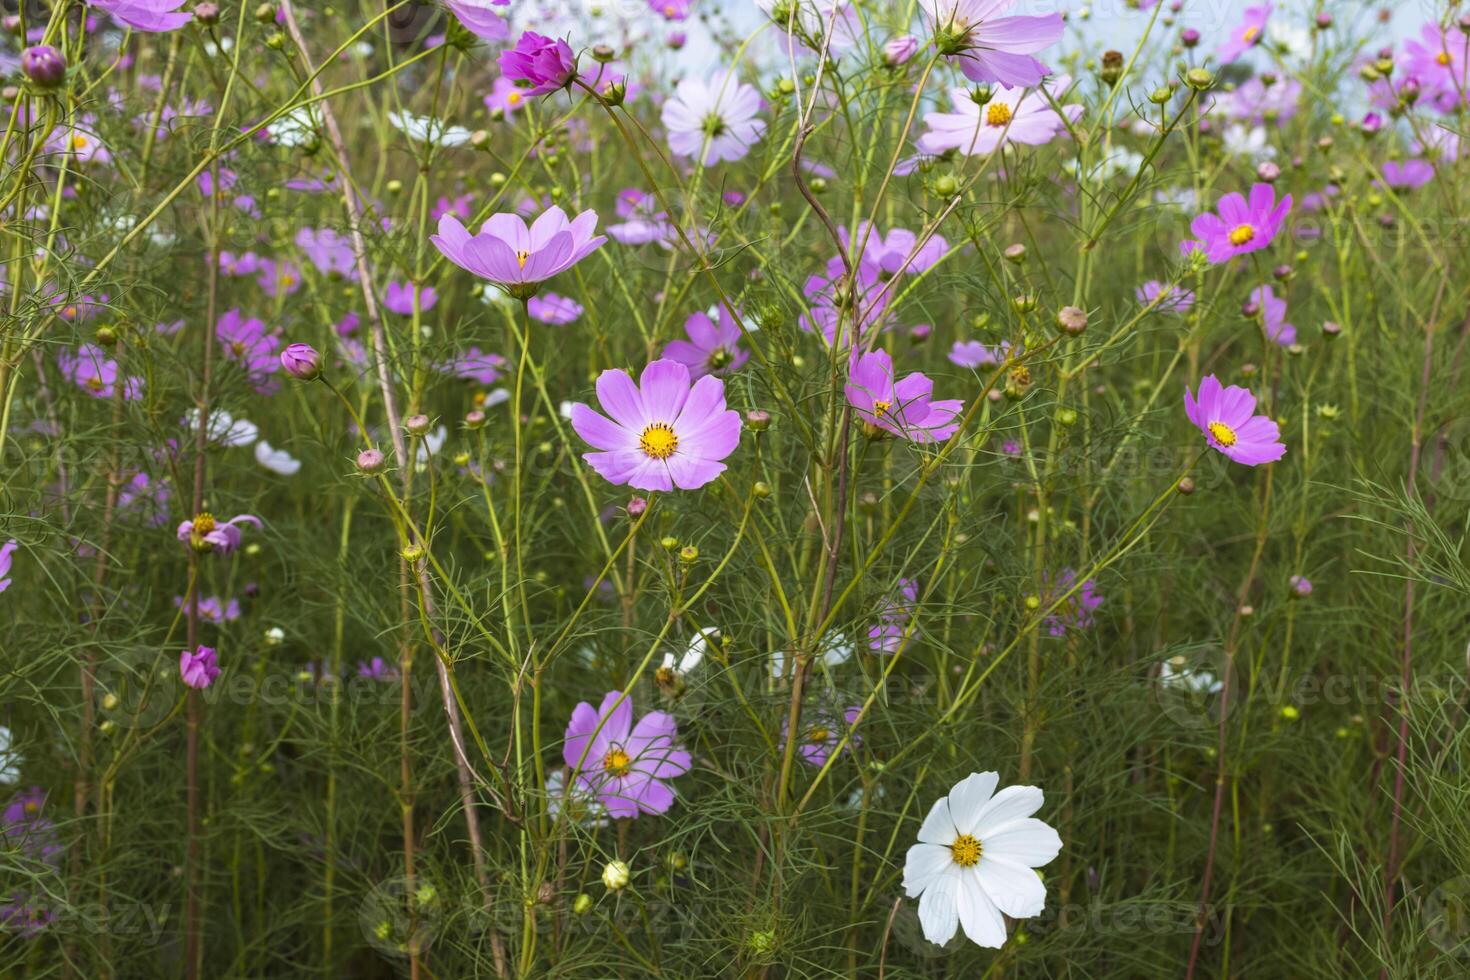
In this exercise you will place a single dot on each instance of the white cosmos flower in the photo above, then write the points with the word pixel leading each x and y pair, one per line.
pixel 276 460
pixel 693 655
pixel 713 119
pixel 296 128
pixel 1293 40
pixel 582 806
pixel 974 858
pixel 9 759
pixel 432 443
pixel 1175 672
pixel 427 129
pixel 224 428
pixel 1250 143
pixel 836 649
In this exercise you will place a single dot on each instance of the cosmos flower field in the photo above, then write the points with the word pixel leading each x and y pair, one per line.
pixel 776 489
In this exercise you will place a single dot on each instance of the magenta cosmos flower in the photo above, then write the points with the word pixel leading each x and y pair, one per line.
pixel 97 374
pixel 1245 35
pixel 553 309
pixel 1407 175
pixel 152 16
pixel 663 433
pixel 710 349
pixel 205 534
pixel 247 343
pixel 516 258
pixel 6 551
pixel 480 19
pixel 899 406
pixel 1013 115
pixel 1171 298
pixel 1227 418
pixel 623 765
pixel 398 297
pixel 992 48
pixel 200 668
pixel 1273 315
pixel 540 63
pixel 889 252
pixel 1240 226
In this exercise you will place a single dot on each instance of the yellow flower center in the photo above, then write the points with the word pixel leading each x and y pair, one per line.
pixel 658 441
pixel 1223 434
pixel 521 258
pixel 238 348
pixel 817 734
pixel 997 114
pixel 513 98
pixel 1241 234
pixel 1442 59
pixel 616 762
pixel 289 280
pixel 79 142
pixel 881 408
pixel 95 384
pixel 204 523
pixel 966 851
pixel 31 806
pixel 1250 35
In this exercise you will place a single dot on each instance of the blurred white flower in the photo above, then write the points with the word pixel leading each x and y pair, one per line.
pixel 693 655
pixel 224 428
pixel 581 806
pixel 427 129
pixel 1292 40
pixel 9 759
pixel 1252 143
pixel 1175 673
pixel 296 128
pixel 836 649
pixel 432 443
pixel 276 460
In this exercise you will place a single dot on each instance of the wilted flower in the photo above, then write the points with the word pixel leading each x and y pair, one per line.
pixel 663 432
pixel 625 766
pixel 205 534
pixel 974 858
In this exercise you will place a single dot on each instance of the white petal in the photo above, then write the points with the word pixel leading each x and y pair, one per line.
pixel 1016 890
pixel 938 912
pixel 938 828
pixel 968 799
pixel 923 863
pixel 1026 842
pixel 978 913
pixel 1010 804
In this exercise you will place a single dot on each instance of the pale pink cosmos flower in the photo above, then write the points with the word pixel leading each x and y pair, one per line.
pixel 900 406
pixel 205 534
pixel 1013 115
pixel 553 309
pixel 889 252
pixel 515 257
pixel 710 349
pixel 480 19
pixel 1273 315
pixel 713 119
pixel 1245 35
pixel 626 767
pixel 991 47
pixel 97 374
pixel 150 16
pixel 663 432
pixel 7 550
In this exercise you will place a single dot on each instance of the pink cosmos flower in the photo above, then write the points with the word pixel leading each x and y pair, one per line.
pixel 506 96
pixel 1240 227
pixel 378 669
pixel 199 669
pixel 973 354
pixel 398 298
pixel 542 63
pixel 516 258
pixel 214 609
pixel 1437 58
pixel 1076 611
pixel 901 406
pixel 278 278
pixel 205 534
pixel 709 349
pixel 6 551
pixel 479 19
pixel 828 296
pixel 1407 175
pixel 247 344
pixel 670 9
pixel 992 48
pixel 328 250
pixel 151 16
pixel 1273 315
pixel 1245 35
pixel 714 119
pixel 643 221
pixel 663 433
pixel 820 735
pixel 1013 115
pixel 97 374
pixel 626 767
pixel 894 612
pixel 888 252
pixel 1176 299
pixel 1255 102
pixel 1226 417
pixel 553 309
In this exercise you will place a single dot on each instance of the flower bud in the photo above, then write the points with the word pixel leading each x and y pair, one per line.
pixel 206 12
pixel 760 490
pixel 1072 320
pixel 1268 172
pixel 668 542
pixel 615 875
pixel 899 50
pixel 266 13
pixel 946 186
pixel 1301 587
pixel 371 461
pixel 43 65
pixel 582 905
pixel 689 554
pixel 416 425
pixel 1015 254
pixel 1189 37
pixel 603 53
pixel 919 333
pixel 302 362
pixel 1331 330
pixel 1199 79
pixel 1112 67
pixel 1185 487
pixel 474 419
pixel 637 507
pixel 757 420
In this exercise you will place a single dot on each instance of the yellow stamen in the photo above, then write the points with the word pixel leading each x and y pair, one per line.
pixel 1241 234
pixel 1250 35
pixel 816 735
pixel 616 762
pixel 1223 434
pixel 79 142
pixel 997 114
pixel 966 851
pixel 1442 59
pixel 658 441
pixel 521 258
pixel 881 408
pixel 513 98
